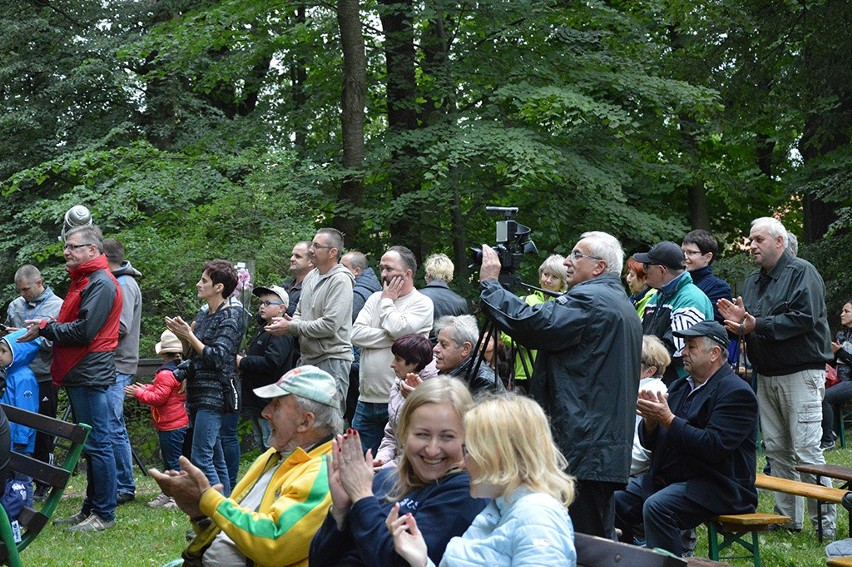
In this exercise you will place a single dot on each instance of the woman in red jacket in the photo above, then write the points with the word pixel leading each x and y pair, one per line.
pixel 167 397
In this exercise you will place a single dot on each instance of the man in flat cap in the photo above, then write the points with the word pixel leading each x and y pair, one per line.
pixel 701 434
pixel 677 306
pixel 282 500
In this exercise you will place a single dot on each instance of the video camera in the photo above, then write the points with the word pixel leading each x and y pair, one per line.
pixel 513 241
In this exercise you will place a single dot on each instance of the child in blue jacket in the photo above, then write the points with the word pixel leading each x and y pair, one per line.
pixel 21 391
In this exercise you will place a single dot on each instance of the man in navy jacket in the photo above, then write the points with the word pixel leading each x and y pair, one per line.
pixel 702 437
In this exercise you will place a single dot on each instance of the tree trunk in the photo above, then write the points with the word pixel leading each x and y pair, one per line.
pixel 352 111
pixel 396 17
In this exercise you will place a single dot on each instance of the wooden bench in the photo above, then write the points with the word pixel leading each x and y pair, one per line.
pixel 733 528
pixel 818 492
pixel 56 477
pixel 599 552
pixel 839 562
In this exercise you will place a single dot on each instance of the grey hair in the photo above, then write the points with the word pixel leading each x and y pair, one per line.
pixel 792 243
pixel 463 328
pixel 90 234
pixel 773 226
pixel 27 273
pixel 608 248
pixel 326 418
pixel 555 264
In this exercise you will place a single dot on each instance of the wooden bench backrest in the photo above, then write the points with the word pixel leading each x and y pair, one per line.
pixel 55 476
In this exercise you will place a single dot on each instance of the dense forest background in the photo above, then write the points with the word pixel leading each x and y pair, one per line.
pixel 198 129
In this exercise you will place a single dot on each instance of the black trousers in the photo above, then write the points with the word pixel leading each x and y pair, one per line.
pixel 593 509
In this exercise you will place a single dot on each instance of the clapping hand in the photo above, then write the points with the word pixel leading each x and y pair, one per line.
pixel 350 474
pixel 408 385
pixel 407 539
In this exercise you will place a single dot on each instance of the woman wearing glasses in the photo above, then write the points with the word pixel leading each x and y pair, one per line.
pixel 268 358
pixel 212 387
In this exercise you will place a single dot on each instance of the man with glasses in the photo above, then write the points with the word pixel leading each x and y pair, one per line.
pixel 586 374
pixel 84 336
pixel 677 306
pixel 323 318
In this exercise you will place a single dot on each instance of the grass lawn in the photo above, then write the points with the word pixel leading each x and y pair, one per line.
pixel 143 536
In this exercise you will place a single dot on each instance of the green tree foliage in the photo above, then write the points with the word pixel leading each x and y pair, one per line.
pixel 201 128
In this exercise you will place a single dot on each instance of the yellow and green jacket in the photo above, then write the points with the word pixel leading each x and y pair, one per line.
pixel 292 509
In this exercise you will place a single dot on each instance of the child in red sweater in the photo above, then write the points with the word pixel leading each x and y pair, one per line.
pixel 167 397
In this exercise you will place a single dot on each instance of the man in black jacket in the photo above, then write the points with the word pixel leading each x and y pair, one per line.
pixel 701 434
pixel 586 373
pixel 783 317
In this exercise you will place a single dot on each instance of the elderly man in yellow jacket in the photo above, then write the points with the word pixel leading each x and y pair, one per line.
pixel 280 503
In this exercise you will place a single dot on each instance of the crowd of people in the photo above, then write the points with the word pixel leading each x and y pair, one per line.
pixel 613 414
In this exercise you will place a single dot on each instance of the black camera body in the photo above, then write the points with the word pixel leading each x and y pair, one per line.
pixel 513 241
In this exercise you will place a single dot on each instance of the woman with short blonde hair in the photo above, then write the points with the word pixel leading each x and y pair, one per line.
pixel 511 457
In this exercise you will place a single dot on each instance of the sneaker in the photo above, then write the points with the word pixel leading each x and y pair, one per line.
pixel 160 500
pixel 93 523
pixel 170 504
pixel 70 520
pixel 124 498
pixel 827 445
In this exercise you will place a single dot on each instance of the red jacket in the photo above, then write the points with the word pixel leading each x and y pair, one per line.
pixel 85 333
pixel 166 400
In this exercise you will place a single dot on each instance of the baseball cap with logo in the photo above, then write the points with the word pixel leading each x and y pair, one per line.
pixel 307 382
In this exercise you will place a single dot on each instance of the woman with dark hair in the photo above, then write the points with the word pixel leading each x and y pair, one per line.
pixel 212 388
pixel 412 363
pixel 640 291
pixel 840 392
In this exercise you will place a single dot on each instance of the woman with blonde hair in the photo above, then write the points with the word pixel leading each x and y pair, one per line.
pixel 553 277
pixel 428 483
pixel 511 457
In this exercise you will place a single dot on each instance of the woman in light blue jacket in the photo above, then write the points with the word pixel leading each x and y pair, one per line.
pixel 527 523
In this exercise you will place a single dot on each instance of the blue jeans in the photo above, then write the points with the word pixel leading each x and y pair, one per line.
pixel 171 447
pixel 260 431
pixel 118 432
pixel 231 448
pixel 207 447
pixel 369 421
pixel 90 405
pixel 665 513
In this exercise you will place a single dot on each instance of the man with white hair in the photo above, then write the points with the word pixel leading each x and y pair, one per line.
pixel 783 318
pixel 282 500
pixel 586 373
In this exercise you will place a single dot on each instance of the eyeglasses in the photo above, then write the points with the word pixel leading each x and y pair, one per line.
pixel 693 252
pixel 316 246
pixel 268 303
pixel 574 256
pixel 75 246
pixel 464 450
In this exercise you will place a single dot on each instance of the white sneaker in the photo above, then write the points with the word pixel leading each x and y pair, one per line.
pixel 170 504
pixel 159 501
